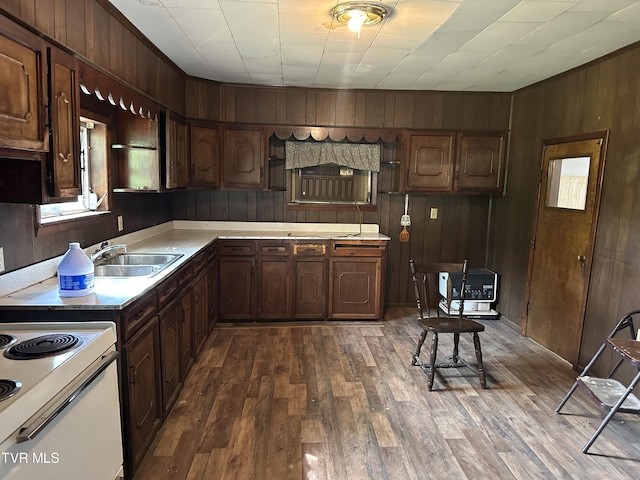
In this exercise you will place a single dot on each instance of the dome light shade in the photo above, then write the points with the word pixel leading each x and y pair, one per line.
pixel 358 14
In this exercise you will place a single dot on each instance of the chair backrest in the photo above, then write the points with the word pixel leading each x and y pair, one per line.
pixel 426 275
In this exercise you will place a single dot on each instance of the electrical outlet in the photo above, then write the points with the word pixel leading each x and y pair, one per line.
pixel 120 223
pixel 433 213
pixel 1 259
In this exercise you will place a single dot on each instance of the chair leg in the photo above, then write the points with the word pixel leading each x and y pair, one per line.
pixel 476 343
pixel 415 360
pixel 432 359
pixel 456 341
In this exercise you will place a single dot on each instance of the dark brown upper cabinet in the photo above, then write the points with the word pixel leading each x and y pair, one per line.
pixel 428 161
pixel 175 144
pixel 480 162
pixel 244 157
pixel 449 162
pixel 204 155
pixel 63 162
pixel 23 73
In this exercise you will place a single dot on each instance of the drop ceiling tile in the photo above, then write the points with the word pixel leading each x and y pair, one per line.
pixel 406 29
pixel 628 14
pixel 303 23
pixel 536 11
pixel 472 7
pixel 469 22
pixel 560 28
pixel 499 35
pixel 210 4
pixel 423 11
pixel 200 24
pixel 603 6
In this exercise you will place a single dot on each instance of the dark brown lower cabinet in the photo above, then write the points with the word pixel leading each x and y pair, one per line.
pixel 170 322
pixel 355 288
pixel 186 326
pixel 235 287
pixel 274 288
pixel 142 390
pixel 310 288
pixel 200 311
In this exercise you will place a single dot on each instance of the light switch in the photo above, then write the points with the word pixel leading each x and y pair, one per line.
pixel 433 213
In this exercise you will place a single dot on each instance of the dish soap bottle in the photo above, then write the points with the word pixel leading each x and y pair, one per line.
pixel 75 273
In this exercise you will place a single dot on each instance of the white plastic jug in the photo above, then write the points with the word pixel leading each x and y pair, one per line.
pixel 75 273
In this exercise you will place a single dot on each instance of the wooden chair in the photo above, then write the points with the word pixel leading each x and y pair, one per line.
pixel 438 324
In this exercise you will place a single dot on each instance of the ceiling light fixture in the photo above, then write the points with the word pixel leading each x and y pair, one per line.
pixel 358 14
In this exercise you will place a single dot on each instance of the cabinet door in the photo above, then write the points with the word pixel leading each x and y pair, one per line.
pixel 235 287
pixel 310 288
pixel 213 294
pixel 170 355
pixel 64 161
pixel 480 163
pixel 205 156
pixel 355 287
pixel 22 72
pixel 143 391
pixel 244 157
pixel 274 288
pixel 200 311
pixel 176 151
pixel 428 162
pixel 186 327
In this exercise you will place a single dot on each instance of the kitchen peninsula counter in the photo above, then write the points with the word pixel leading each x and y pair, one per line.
pixel 35 287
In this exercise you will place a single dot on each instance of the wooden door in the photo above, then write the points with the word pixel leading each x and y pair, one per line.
pixel 274 288
pixel 562 244
pixel 243 158
pixel 310 288
pixel 176 151
pixel 143 391
pixel 186 326
pixel 205 156
pixel 200 311
pixel 65 134
pixel 429 162
pixel 23 73
pixel 355 287
pixel 480 162
pixel 170 355
pixel 236 287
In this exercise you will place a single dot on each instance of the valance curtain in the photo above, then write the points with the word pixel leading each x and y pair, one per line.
pixel 359 156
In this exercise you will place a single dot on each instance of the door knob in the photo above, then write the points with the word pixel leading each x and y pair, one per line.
pixel 582 258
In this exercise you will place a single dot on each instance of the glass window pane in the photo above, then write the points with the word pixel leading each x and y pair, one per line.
pixel 567 181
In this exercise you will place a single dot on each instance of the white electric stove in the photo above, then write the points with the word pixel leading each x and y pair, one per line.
pixel 59 402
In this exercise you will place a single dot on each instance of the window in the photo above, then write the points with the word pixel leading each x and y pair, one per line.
pixel 324 173
pixel 94 179
pixel 567 182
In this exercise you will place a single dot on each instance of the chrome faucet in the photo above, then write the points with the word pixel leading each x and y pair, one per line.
pixel 106 251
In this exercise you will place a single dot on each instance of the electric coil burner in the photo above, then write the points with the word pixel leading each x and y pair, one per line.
pixel 8 388
pixel 43 346
pixel 6 340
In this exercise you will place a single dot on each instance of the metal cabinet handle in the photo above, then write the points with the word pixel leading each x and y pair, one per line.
pixel 46 414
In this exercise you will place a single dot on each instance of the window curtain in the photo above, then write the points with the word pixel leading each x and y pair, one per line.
pixel 360 156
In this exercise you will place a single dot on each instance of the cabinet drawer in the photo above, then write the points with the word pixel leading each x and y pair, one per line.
pixel 135 316
pixel 184 276
pixel 167 291
pixel 237 248
pixel 309 249
pixel 199 262
pixel 358 248
pixel 274 248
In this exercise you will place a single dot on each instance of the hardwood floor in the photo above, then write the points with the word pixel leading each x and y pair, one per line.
pixel 341 401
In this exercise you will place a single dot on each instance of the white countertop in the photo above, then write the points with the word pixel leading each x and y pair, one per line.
pixel 36 286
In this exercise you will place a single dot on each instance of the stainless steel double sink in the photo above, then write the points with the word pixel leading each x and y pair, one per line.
pixel 135 264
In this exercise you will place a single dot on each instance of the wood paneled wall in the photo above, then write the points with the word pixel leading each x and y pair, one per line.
pixel 22 247
pixel 600 96
pixel 461 228
pixel 95 30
